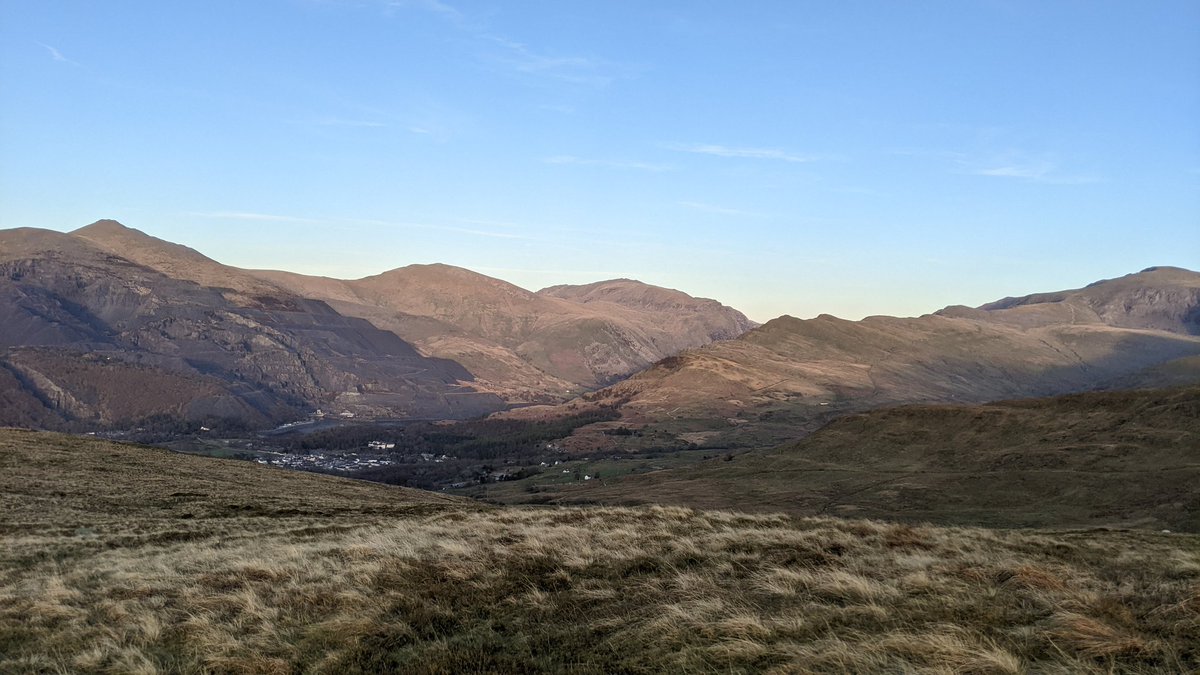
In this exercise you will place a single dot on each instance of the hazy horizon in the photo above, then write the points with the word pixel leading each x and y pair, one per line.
pixel 853 159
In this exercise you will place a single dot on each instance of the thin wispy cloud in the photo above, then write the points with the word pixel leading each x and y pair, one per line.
pixel 615 164
pixel 348 123
pixel 339 122
pixel 1015 171
pixel 720 210
pixel 1040 171
pixel 433 6
pixel 441 228
pixel 414 113
pixel 344 222
pixel 1010 163
pixel 524 59
pixel 855 190
pixel 487 223
pixel 250 216
pixel 478 233
pixel 513 54
pixel 741 152
pixel 928 153
pixel 56 55
pixel 529 61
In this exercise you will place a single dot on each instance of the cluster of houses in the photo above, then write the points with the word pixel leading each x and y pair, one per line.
pixel 349 461
pixel 344 461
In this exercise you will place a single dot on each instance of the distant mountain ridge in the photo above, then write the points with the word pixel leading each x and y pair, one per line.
pixel 91 337
pixel 1157 298
pixel 789 375
pixel 525 345
pixel 190 338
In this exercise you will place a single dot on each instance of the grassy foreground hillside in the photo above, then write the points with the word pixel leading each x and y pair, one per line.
pixel 1112 459
pixel 125 559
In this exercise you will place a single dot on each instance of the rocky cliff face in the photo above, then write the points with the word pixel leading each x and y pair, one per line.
pixel 255 353
pixel 419 341
pixel 528 346
pixel 1158 298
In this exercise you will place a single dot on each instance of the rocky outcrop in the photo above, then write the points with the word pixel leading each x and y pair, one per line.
pixel 278 354
pixel 528 346
pixel 1157 298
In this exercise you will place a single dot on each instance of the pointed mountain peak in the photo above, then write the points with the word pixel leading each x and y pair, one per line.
pixel 174 260
pixel 132 243
pixel 108 230
pixel 106 227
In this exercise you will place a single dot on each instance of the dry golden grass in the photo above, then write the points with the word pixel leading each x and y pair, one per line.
pixel 604 590
pixel 368 586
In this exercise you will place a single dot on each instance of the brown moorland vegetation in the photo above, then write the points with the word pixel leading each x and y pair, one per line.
pixel 790 374
pixel 1106 459
pixel 120 558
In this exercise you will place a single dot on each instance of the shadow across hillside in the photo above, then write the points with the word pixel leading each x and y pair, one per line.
pixel 1114 459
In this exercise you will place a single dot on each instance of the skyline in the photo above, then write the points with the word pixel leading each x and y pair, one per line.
pixel 782 159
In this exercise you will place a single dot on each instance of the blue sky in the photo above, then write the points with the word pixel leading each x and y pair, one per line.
pixel 847 157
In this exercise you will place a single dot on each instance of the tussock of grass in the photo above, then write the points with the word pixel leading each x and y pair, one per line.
pixel 368 587
pixel 608 590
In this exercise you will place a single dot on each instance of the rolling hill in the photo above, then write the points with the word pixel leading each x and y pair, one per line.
pixel 789 376
pixel 1102 459
pixel 119 558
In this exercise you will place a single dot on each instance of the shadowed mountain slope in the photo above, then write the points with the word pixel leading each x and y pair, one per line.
pixel 523 345
pixel 1158 298
pixel 1121 459
pixel 790 375
pixel 94 337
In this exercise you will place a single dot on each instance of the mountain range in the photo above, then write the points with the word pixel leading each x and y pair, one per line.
pixel 521 345
pixel 108 326
pixel 790 376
